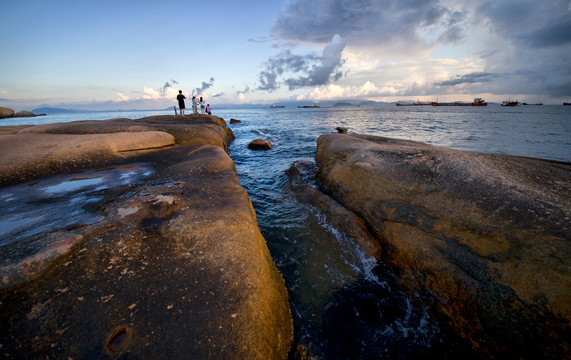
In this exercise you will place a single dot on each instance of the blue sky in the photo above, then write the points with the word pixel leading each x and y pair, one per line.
pixel 138 54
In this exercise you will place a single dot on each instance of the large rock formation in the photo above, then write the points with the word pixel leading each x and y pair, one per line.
pixel 488 235
pixel 169 265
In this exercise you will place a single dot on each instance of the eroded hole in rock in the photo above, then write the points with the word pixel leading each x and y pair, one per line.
pixel 118 340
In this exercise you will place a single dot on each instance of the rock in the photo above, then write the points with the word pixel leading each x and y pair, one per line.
pixel 172 265
pixel 259 144
pixel 234 121
pixel 348 224
pixel 341 130
pixel 24 113
pixel 486 234
pixel 51 148
pixel 6 112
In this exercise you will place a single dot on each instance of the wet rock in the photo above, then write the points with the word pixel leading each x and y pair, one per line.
pixel 235 121
pixel 487 235
pixel 260 144
pixel 341 130
pixel 172 265
pixel 342 219
pixel 6 112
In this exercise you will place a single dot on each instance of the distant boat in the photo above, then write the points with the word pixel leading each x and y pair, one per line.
pixel 476 102
pixel 511 103
pixel 417 103
pixel 567 104
pixel 309 106
pixel 277 106
pixel 537 103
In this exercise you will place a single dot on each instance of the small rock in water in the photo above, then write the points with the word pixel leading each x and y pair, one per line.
pixel 260 144
pixel 341 130
pixel 234 121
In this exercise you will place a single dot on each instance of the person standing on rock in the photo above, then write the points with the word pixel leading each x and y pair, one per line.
pixel 180 97
pixel 208 109
pixel 202 105
pixel 194 104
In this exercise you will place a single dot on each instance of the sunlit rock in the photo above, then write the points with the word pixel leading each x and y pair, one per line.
pixel 6 112
pixel 156 254
pixel 487 235
pixel 260 144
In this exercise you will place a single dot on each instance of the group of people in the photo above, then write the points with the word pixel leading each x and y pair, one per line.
pixel 195 103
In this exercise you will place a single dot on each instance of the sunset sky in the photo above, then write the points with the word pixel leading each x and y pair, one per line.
pixel 137 54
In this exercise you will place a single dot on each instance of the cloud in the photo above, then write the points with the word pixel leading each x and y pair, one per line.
pixel 333 91
pixel 558 34
pixel 472 78
pixel 167 91
pixel 366 23
pixel 205 86
pixel 218 95
pixel 121 97
pixel 304 70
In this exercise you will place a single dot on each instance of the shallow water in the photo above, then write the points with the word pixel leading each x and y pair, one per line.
pixel 344 304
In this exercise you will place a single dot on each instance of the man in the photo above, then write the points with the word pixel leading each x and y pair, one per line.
pixel 180 97
pixel 194 104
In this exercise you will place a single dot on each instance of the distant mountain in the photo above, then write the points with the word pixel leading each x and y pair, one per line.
pixel 50 111
pixel 340 104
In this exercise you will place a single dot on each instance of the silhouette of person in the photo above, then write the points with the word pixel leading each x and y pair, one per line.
pixel 194 104
pixel 201 106
pixel 180 97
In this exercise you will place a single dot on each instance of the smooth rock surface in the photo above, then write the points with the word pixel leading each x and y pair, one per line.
pixel 24 113
pixel 171 265
pixel 259 144
pixel 488 235
pixel 6 112
pixel 41 150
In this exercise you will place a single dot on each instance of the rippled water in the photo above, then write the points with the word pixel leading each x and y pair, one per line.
pixel 345 304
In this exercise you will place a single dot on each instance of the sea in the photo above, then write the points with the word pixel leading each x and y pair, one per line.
pixel 344 304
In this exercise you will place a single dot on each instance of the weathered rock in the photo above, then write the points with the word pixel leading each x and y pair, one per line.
pixel 48 149
pixel 173 266
pixel 235 121
pixel 345 221
pixel 260 144
pixel 487 234
pixel 341 130
pixel 24 113
pixel 6 112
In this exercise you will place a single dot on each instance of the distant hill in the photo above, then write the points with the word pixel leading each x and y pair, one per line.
pixel 340 104
pixel 50 110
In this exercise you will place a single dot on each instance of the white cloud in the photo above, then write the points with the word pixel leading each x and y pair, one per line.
pixel 121 97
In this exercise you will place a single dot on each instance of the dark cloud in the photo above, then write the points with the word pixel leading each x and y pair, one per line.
pixel 308 70
pixel 472 78
pixel 246 90
pixel 167 85
pixel 558 34
pixel 367 22
pixel 205 86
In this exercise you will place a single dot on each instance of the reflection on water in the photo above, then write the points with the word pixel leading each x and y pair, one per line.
pixel 74 184
pixel 59 201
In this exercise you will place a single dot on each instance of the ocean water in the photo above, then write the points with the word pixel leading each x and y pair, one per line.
pixel 346 305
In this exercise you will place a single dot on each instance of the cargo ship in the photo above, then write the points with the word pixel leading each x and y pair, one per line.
pixel 309 106
pixel 417 103
pixel 511 103
pixel 476 102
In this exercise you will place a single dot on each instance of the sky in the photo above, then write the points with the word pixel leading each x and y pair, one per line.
pixel 123 54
